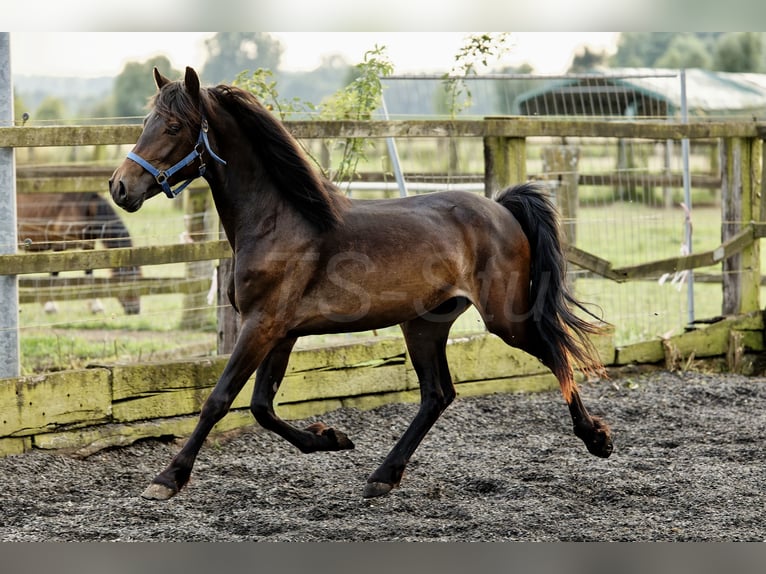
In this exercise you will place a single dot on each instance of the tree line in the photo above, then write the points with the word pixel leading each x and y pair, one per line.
pixel 716 51
pixel 230 54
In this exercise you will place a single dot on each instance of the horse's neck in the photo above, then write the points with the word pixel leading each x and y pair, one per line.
pixel 249 206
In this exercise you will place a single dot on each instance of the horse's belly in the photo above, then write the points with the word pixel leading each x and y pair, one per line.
pixel 372 302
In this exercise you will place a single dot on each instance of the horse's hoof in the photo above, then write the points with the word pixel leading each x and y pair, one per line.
pixel 374 489
pixel 158 492
pixel 602 449
pixel 97 307
pixel 334 439
pixel 343 442
pixel 597 438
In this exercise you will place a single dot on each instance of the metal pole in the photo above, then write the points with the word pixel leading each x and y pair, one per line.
pixel 687 199
pixel 9 295
pixel 394 155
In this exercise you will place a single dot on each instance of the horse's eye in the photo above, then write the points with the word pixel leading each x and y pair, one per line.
pixel 173 129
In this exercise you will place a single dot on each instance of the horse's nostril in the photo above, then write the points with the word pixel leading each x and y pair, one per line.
pixel 120 193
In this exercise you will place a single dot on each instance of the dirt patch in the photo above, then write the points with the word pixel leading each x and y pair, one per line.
pixel 688 465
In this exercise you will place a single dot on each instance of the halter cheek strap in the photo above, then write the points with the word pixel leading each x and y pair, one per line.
pixel 162 176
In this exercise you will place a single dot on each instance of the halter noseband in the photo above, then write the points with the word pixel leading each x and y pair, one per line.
pixel 162 176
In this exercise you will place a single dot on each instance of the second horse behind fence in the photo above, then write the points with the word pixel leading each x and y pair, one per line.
pixel 62 221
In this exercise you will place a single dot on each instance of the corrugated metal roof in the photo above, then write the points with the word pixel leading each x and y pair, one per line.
pixel 708 93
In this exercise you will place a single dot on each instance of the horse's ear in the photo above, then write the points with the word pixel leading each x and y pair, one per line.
pixel 159 79
pixel 191 81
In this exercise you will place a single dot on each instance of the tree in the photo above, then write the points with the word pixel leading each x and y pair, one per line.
pixel 665 49
pixel 641 49
pixel 50 109
pixel 739 52
pixel 19 108
pixel 231 53
pixel 584 60
pixel 475 55
pixel 685 51
pixel 134 86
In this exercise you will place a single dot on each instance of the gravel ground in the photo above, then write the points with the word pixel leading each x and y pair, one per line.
pixel 688 465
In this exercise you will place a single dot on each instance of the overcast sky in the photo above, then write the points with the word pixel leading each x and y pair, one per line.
pixel 93 54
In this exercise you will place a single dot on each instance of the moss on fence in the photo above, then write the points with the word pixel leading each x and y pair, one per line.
pixel 82 411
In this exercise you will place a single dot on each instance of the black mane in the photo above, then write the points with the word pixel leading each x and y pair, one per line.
pixel 281 156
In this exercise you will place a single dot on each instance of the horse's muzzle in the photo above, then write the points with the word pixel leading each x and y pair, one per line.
pixel 119 193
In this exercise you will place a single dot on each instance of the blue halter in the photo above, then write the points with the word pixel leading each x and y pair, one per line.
pixel 162 176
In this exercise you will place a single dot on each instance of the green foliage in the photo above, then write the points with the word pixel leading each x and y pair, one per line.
pixel 229 53
pixel 641 49
pixel 726 52
pixel 262 85
pixel 475 54
pixel 51 109
pixel 685 51
pixel 356 101
pixel 740 52
pixel 134 86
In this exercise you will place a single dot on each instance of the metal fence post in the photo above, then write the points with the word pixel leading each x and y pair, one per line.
pixel 687 200
pixel 9 291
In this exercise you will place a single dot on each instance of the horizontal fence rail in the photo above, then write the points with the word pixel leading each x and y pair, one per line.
pixel 512 127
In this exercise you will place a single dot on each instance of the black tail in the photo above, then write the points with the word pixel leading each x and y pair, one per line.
pixel 560 333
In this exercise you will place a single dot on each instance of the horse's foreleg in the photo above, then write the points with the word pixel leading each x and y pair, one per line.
pixel 426 343
pixel 243 361
pixel 316 437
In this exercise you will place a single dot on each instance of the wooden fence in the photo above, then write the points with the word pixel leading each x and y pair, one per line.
pixel 89 409
pixel 505 163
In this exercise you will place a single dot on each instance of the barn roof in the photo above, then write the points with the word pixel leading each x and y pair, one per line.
pixel 647 92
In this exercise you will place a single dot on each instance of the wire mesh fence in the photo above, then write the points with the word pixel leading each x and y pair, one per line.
pixel 622 200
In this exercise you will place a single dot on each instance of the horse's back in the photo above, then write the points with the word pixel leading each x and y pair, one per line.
pixel 455 221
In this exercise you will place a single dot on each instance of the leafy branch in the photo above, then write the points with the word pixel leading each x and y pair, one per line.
pixel 356 101
pixel 477 52
pixel 261 85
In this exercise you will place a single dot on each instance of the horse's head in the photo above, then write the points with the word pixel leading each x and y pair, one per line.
pixel 131 303
pixel 171 147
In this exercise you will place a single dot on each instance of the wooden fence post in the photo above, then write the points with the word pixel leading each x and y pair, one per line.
pixel 740 206
pixel 195 307
pixel 227 317
pixel 505 163
pixel 560 164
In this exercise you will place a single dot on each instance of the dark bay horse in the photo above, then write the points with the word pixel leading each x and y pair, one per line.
pixel 61 221
pixel 308 260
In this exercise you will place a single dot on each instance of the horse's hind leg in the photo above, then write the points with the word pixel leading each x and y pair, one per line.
pixel 515 327
pixel 270 373
pixel 426 340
